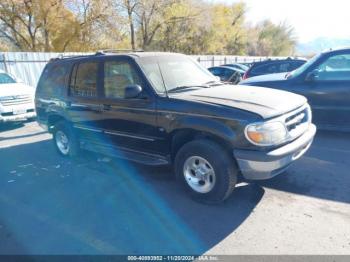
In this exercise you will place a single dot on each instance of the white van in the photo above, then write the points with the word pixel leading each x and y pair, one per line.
pixel 16 99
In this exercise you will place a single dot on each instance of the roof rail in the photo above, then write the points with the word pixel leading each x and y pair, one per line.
pixel 101 52
pixel 62 56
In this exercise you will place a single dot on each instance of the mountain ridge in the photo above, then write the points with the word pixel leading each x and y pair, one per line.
pixel 320 44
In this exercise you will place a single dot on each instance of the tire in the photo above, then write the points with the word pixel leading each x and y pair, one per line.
pixel 69 146
pixel 206 170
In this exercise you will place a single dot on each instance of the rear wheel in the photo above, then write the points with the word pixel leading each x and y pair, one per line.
pixel 206 170
pixel 65 140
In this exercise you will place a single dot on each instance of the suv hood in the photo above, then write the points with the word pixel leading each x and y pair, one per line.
pixel 265 78
pixel 265 102
pixel 15 89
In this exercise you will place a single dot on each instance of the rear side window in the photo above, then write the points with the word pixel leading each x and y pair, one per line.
pixel 227 74
pixel 84 80
pixel 216 71
pixel 266 69
pixel 54 79
pixel 276 67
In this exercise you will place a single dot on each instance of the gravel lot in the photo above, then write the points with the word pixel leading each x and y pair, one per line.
pixel 97 205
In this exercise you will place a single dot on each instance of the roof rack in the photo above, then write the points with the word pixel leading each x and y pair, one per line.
pixel 101 52
pixel 61 56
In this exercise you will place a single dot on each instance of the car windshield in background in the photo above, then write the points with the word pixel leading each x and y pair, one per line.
pixel 6 79
pixel 302 68
pixel 168 73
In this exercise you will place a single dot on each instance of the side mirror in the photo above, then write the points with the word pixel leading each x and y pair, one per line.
pixel 311 76
pixel 132 91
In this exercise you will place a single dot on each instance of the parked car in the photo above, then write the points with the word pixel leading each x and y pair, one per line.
pixel 164 108
pixel 16 99
pixel 227 74
pixel 273 66
pixel 238 66
pixel 325 81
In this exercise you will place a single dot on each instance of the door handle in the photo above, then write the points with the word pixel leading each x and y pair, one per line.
pixel 106 107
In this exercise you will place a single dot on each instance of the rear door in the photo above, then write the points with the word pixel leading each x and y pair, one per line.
pixel 84 106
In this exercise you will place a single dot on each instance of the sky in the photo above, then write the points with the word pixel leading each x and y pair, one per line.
pixel 310 18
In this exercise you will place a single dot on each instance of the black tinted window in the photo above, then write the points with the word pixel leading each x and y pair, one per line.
pixel 216 71
pixel 276 67
pixel 84 80
pixel 227 74
pixel 296 65
pixel 54 79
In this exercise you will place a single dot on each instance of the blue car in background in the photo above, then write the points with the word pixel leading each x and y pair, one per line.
pixel 227 74
pixel 325 81
pixel 238 66
pixel 273 66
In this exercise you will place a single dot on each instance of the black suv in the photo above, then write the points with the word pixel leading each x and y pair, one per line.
pixel 164 108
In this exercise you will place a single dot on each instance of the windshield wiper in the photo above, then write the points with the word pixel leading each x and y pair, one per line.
pixel 179 88
pixel 215 83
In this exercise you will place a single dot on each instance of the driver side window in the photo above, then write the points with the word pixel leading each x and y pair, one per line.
pixel 335 68
pixel 117 76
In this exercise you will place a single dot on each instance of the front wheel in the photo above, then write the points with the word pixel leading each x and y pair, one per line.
pixel 65 140
pixel 206 170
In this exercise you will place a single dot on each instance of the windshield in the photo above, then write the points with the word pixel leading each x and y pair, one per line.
pixel 6 79
pixel 170 72
pixel 305 66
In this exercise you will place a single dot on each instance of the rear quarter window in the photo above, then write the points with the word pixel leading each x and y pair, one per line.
pixel 54 79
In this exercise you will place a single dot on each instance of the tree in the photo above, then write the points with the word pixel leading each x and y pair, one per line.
pixel 195 27
pixel 188 26
pixel 150 16
pixel 36 24
pixel 181 29
pixel 268 39
pixel 130 6
pixel 18 25
pixel 99 25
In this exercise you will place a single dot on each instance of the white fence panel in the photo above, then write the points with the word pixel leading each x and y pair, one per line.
pixel 27 66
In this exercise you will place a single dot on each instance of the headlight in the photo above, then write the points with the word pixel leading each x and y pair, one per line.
pixel 266 134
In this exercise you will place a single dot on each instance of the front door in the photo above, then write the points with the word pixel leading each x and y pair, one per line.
pixel 129 123
pixel 329 92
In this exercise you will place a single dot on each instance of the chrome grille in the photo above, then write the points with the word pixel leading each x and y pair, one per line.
pixel 294 121
pixel 297 122
pixel 15 100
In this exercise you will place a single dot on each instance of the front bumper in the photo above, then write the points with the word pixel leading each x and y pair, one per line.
pixel 255 165
pixel 20 117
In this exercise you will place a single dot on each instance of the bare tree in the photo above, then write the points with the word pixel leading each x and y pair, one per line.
pixel 17 23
